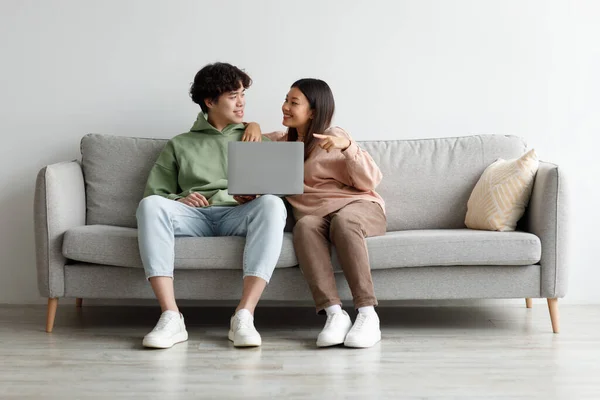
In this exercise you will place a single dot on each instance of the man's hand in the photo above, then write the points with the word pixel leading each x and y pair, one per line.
pixel 244 199
pixel 252 133
pixel 194 200
pixel 329 143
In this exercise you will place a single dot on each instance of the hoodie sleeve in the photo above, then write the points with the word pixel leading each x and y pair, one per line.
pixel 363 171
pixel 162 180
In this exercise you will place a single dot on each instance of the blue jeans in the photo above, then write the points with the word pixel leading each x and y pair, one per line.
pixel 261 221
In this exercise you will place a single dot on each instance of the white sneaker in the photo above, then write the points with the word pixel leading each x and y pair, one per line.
pixel 169 330
pixel 337 326
pixel 365 331
pixel 242 331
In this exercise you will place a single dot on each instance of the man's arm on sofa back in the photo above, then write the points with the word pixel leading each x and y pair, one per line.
pixel 59 205
pixel 547 218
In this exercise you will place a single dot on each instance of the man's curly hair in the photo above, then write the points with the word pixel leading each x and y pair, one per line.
pixel 215 79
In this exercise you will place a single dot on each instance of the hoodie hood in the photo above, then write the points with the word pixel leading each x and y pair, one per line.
pixel 203 126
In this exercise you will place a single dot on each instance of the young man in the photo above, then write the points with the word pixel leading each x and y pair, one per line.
pixel 186 195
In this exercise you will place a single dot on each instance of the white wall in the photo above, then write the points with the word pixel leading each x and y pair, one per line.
pixel 399 69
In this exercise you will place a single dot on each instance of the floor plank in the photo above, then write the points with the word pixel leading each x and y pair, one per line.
pixel 426 353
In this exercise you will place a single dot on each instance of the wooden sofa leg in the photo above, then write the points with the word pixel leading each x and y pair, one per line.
pixel 78 302
pixel 529 303
pixel 52 305
pixel 554 316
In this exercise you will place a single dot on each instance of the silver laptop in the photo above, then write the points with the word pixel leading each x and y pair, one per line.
pixel 265 168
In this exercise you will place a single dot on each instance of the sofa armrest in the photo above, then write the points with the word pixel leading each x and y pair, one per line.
pixel 59 204
pixel 546 217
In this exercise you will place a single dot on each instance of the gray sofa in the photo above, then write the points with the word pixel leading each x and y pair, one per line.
pixel 86 237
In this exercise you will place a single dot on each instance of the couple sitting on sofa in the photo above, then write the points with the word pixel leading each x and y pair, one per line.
pixel 186 195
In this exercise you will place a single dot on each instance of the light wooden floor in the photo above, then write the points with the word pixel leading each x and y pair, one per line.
pixel 486 352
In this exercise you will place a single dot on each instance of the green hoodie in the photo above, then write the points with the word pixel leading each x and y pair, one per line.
pixel 195 161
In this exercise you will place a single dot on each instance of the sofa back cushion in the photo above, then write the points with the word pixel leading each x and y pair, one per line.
pixel 426 182
pixel 115 170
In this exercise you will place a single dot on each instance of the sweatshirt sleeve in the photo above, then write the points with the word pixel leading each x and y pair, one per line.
pixel 276 136
pixel 162 180
pixel 363 171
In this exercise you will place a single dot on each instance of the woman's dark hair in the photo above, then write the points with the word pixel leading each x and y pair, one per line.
pixel 215 79
pixel 320 99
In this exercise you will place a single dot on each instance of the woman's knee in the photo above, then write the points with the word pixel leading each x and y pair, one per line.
pixel 345 224
pixel 307 226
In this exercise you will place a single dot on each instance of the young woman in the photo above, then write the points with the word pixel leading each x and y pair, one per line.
pixel 340 206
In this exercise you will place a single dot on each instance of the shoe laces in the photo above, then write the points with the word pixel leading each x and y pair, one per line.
pixel 331 318
pixel 360 320
pixel 243 323
pixel 164 321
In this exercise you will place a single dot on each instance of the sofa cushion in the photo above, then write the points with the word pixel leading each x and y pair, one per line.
pixel 114 245
pixel 451 247
pixel 426 182
pixel 110 245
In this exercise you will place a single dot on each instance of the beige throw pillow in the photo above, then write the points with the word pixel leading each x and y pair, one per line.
pixel 499 199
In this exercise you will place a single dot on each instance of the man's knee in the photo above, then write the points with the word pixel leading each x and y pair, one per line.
pixel 272 206
pixel 270 201
pixel 149 205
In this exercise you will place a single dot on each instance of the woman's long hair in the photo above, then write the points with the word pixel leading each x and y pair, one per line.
pixel 320 99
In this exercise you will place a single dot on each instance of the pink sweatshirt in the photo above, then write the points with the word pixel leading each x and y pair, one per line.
pixel 335 179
